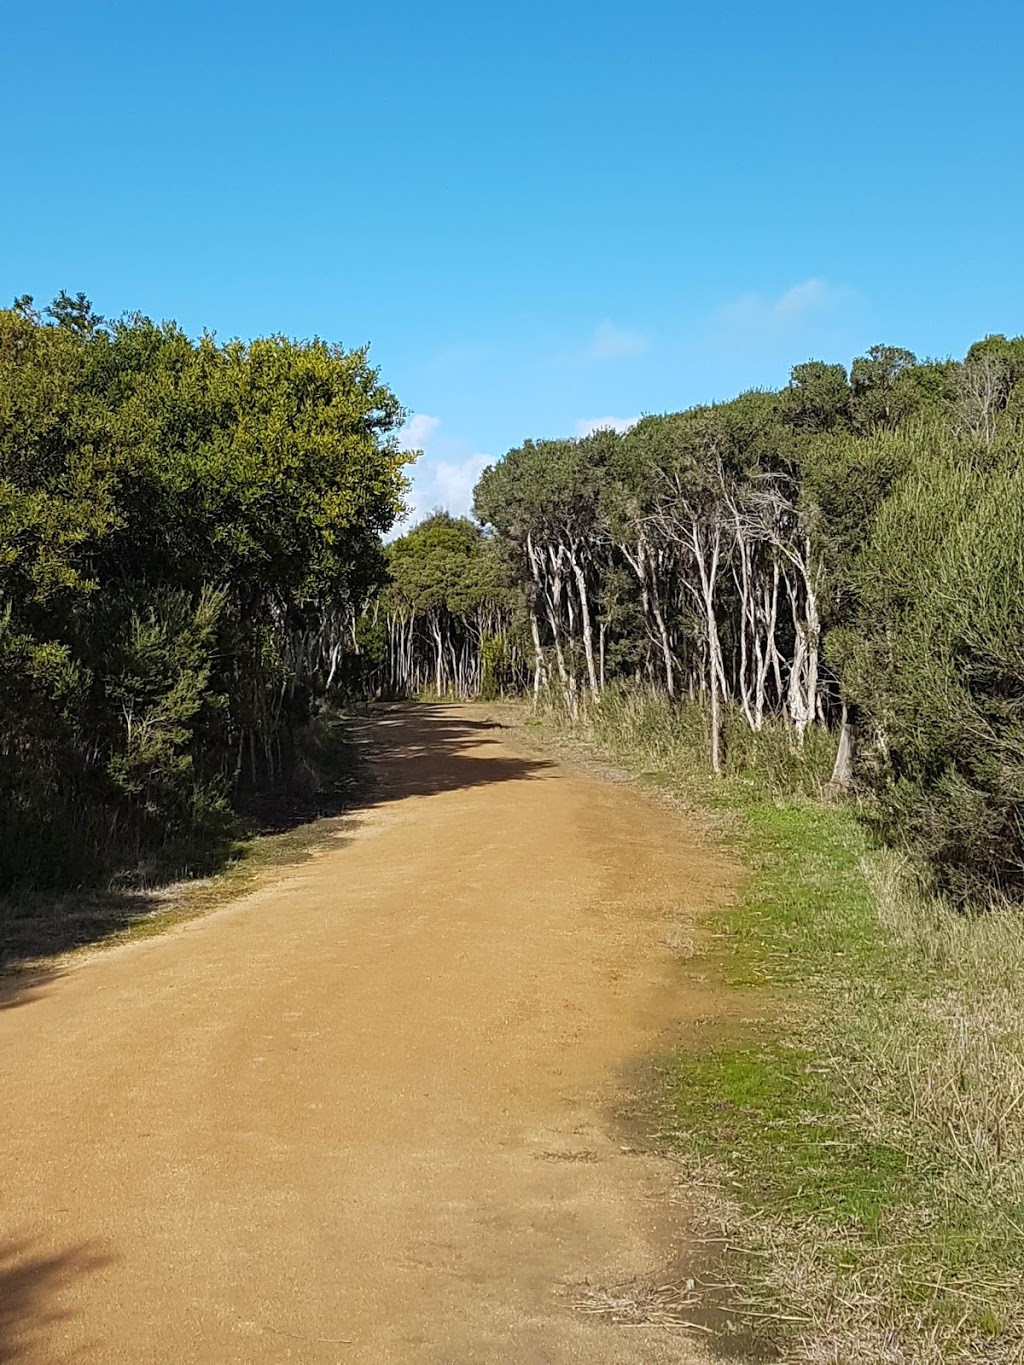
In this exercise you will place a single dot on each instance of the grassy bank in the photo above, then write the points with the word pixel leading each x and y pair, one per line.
pixel 275 829
pixel 863 1144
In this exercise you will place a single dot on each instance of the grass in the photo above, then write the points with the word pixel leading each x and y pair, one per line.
pixel 179 881
pixel 862 1144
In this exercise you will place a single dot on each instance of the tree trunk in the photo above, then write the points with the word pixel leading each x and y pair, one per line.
pixel 659 620
pixel 588 634
pixel 439 657
pixel 538 656
pixel 841 781
pixel 716 667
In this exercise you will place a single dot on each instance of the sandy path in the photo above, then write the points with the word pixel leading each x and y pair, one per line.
pixel 365 1115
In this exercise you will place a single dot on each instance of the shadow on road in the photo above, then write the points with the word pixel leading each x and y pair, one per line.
pixel 393 752
pixel 22 987
pixel 30 1283
pixel 424 750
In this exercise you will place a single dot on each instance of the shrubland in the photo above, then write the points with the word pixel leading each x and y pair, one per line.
pixel 844 555
pixel 189 534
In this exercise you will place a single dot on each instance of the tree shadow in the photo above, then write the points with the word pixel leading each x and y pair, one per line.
pixel 30 1283
pixel 39 927
pixel 425 750
pixel 22 987
pixel 392 752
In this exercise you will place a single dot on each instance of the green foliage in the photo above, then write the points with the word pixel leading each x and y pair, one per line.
pixel 447 603
pixel 818 398
pixel 936 662
pixel 883 389
pixel 442 565
pixel 498 672
pixel 181 523
pixel 849 548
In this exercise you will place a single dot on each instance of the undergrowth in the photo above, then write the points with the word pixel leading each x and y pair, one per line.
pixel 865 1140
pixel 179 879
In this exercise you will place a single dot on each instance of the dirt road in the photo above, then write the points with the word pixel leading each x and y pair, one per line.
pixel 367 1114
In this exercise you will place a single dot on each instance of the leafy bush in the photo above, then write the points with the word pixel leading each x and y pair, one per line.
pixel 188 533
pixel 937 664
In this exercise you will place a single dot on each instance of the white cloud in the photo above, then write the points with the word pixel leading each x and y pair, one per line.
pixel 586 426
pixel 758 315
pixel 614 343
pixel 418 431
pixel 444 475
pixel 449 483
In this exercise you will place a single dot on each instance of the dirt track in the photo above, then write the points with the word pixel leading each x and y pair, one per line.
pixel 367 1114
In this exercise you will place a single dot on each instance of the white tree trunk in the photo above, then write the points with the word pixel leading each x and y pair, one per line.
pixel 588 633
pixel 538 656
pixel 841 780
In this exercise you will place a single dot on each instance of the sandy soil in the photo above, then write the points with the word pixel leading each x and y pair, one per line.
pixel 368 1114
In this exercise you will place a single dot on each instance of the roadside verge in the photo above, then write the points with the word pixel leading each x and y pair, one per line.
pixel 859 1150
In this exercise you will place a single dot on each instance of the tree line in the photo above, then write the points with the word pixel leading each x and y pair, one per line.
pixel 446 620
pixel 190 533
pixel 845 553
pixel 193 557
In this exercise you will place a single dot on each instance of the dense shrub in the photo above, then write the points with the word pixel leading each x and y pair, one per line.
pixel 937 664
pixel 187 532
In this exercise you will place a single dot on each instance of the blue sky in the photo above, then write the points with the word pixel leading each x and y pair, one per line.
pixel 539 215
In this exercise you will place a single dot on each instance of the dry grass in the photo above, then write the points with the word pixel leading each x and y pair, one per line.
pixel 640 1302
pixel 951 1063
pixel 861 1152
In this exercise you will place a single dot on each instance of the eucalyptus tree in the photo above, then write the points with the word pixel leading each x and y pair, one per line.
pixel 544 500
pixel 844 553
pixel 716 493
pixel 445 605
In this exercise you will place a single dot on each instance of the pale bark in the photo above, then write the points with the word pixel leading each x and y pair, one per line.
pixel 841 780
pixel 538 655
pixel 588 634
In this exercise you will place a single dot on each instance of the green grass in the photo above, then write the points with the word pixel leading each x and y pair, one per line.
pixel 865 1136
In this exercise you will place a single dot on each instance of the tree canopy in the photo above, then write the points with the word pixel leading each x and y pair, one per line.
pixel 845 552
pixel 186 529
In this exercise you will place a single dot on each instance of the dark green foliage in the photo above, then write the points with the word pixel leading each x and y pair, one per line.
pixel 935 659
pixel 447 606
pixel 850 547
pixel 883 389
pixel 500 672
pixel 818 397
pixel 185 530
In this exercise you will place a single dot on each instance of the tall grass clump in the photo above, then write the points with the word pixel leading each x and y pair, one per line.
pixel 643 726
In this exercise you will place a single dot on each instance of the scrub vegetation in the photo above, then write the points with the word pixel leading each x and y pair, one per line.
pixel 847 553
pixel 189 534
pixel 800 611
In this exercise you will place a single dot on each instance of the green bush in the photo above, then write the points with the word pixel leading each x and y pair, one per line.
pixel 187 532
pixel 935 662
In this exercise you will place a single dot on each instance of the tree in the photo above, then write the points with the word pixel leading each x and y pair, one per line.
pixel 844 554
pixel 446 605
pixel 883 391
pixel 187 534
